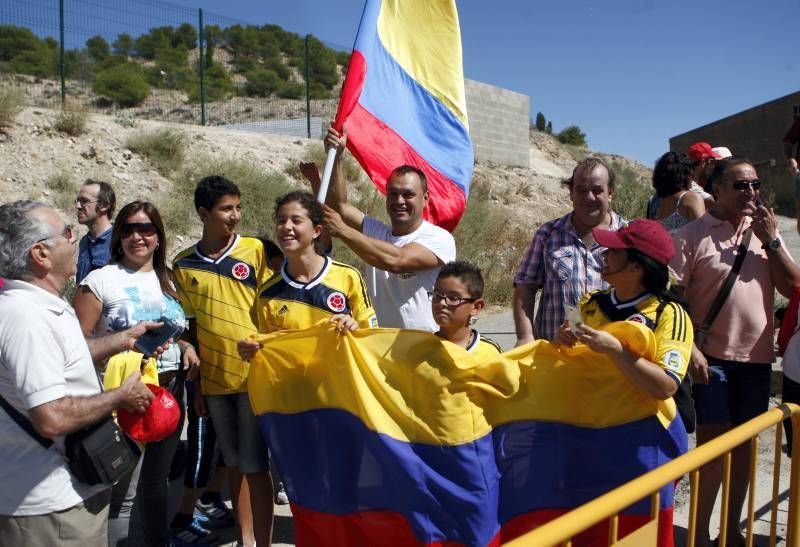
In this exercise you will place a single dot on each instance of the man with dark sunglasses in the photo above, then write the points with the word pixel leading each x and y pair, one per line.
pixel 732 368
pixel 94 206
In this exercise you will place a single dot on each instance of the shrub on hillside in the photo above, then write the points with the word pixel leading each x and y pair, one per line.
pixel 318 91
pixel 262 82
pixel 572 135
pixel 291 90
pixel 71 121
pixel 97 47
pixel 15 40
pixel 219 85
pixel 62 190
pixel 322 64
pixel 10 107
pixel 41 62
pixel 632 192
pixel 122 84
pixel 275 64
pixel 124 45
pixel 163 148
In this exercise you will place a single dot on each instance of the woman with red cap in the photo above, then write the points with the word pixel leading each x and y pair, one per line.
pixel 636 267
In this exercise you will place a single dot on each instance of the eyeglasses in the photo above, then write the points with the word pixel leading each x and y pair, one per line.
pixel 145 229
pixel 745 184
pixel 83 202
pixel 66 233
pixel 449 299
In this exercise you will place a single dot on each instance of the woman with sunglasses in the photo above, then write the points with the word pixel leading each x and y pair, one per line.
pixel 136 286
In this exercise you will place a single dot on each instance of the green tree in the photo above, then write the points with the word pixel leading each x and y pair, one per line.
pixel 243 40
pixel 262 82
pixel 219 85
pixel 214 37
pixel 541 123
pixel 15 40
pixel 122 84
pixel 124 45
pixel 157 38
pixel 572 135
pixel 186 36
pixel 291 90
pixel 549 128
pixel 322 64
pixel 97 48
pixel 41 62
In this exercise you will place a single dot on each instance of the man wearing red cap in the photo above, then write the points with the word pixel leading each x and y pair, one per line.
pixel 703 157
pixel 732 367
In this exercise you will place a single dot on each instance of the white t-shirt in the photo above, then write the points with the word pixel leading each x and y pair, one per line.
pixel 129 297
pixel 401 300
pixel 43 358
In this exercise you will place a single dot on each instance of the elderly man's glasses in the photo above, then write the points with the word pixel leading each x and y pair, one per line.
pixel 449 299
pixel 745 184
pixel 66 234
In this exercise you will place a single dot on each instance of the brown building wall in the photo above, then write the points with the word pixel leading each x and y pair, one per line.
pixel 757 134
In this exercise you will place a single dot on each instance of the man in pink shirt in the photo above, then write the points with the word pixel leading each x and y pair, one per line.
pixel 732 369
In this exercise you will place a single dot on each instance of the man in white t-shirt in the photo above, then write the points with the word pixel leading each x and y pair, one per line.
pixel 403 258
pixel 47 374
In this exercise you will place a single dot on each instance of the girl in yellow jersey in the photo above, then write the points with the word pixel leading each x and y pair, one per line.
pixel 309 287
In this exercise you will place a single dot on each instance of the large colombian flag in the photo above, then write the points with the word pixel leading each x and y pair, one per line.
pixel 403 100
pixel 390 437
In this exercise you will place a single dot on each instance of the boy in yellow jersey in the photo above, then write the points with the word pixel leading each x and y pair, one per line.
pixel 218 278
pixel 456 298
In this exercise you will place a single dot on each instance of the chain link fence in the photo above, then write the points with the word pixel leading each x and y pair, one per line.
pixel 156 60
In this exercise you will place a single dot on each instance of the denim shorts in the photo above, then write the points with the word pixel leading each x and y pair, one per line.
pixel 736 392
pixel 238 433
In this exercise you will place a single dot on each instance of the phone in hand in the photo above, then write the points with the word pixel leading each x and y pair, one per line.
pixel 574 316
pixel 153 338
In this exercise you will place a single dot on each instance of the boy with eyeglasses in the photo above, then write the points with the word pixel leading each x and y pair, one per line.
pixel 456 298
pixel 94 206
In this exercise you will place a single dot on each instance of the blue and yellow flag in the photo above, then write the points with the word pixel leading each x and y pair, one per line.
pixel 394 437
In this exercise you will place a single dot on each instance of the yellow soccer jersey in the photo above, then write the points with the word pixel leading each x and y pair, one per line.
pixel 484 348
pixel 672 327
pixel 284 303
pixel 220 295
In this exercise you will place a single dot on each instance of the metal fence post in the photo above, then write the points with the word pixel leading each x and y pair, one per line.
pixel 308 93
pixel 61 67
pixel 202 61
pixel 793 514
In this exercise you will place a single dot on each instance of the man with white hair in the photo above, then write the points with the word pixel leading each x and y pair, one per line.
pixel 47 374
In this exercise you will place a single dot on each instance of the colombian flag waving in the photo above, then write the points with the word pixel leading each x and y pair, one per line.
pixel 403 100
pixel 392 437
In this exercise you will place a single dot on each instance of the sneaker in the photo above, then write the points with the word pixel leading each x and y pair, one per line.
pixel 191 534
pixel 217 515
pixel 280 496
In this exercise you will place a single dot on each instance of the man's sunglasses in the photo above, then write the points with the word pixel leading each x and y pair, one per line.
pixel 744 184
pixel 145 229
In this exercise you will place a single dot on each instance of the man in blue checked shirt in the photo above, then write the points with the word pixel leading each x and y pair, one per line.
pixel 563 259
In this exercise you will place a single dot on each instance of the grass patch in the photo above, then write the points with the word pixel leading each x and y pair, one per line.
pixel 165 149
pixel 632 193
pixel 10 107
pixel 478 239
pixel 62 191
pixel 71 121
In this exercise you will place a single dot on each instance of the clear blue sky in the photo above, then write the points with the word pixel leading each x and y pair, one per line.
pixel 630 73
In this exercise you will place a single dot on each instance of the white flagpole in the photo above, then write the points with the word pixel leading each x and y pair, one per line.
pixel 326 175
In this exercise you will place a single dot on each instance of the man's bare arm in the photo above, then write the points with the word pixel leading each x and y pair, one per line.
pixel 103 347
pixel 522 307
pixel 70 414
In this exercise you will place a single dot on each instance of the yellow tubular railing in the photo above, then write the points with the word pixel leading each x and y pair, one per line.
pixel 561 530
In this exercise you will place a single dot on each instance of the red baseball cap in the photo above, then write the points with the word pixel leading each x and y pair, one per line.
pixel 649 237
pixel 157 423
pixel 702 150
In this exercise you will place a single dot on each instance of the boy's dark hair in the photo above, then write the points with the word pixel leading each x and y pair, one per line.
pixel 270 248
pixel 306 200
pixel 210 189
pixel 468 273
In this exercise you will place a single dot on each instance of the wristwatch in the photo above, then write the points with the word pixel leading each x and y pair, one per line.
pixel 773 245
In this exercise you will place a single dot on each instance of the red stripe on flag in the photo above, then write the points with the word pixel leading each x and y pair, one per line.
pixel 379 150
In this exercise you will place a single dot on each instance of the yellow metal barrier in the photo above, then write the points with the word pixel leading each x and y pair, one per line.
pixel 561 530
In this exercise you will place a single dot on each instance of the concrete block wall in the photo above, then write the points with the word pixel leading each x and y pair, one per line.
pixel 498 124
pixel 757 134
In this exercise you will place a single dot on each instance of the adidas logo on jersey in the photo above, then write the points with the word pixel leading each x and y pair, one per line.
pixel 283 309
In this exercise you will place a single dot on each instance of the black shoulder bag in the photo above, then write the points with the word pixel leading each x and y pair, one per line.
pixel 96 454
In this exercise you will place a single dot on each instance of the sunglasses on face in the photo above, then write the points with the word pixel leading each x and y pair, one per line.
pixel 144 229
pixel 744 184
